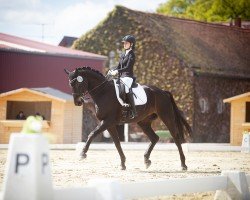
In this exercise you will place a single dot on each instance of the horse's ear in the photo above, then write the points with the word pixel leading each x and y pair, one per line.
pixel 67 71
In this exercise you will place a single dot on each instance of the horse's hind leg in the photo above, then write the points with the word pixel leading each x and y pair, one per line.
pixel 182 157
pixel 167 116
pixel 114 134
pixel 147 129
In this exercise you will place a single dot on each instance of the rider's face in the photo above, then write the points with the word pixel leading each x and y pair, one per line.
pixel 126 45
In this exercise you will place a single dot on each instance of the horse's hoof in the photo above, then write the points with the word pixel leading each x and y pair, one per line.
pixel 184 168
pixel 123 167
pixel 148 163
pixel 83 155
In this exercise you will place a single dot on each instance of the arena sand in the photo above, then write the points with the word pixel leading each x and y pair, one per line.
pixel 69 171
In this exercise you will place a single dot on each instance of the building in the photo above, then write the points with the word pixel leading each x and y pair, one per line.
pixel 240 117
pixel 67 41
pixel 62 119
pixel 26 63
pixel 29 64
pixel 199 63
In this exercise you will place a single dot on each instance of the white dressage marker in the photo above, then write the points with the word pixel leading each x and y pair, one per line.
pixel 237 186
pixel 28 174
pixel 245 147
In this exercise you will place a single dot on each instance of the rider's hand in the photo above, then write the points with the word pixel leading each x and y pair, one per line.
pixel 109 72
pixel 114 72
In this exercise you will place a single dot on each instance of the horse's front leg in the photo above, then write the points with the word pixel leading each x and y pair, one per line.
pixel 114 134
pixel 100 128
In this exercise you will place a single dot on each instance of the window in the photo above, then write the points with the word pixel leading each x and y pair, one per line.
pixel 247 111
pixel 203 105
pixel 220 106
pixel 28 108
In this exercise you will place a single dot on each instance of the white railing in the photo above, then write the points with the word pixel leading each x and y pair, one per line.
pixel 113 190
pixel 174 186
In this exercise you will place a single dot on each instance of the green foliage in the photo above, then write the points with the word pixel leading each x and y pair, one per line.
pixel 32 125
pixel 165 134
pixel 203 10
pixel 207 10
pixel 176 8
pixel 232 9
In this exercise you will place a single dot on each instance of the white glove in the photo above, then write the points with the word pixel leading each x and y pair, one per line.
pixel 109 72
pixel 114 72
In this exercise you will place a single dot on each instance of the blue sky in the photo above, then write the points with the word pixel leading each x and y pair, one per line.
pixel 49 21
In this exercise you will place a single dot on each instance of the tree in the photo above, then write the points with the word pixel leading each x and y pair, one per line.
pixel 231 9
pixel 207 10
pixel 175 8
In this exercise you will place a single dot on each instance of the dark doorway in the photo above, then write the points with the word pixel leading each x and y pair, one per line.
pixel 28 108
pixel 247 111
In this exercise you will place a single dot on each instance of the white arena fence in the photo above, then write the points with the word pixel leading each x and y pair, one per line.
pixel 28 177
pixel 230 186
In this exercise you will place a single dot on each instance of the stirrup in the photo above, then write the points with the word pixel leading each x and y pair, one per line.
pixel 133 114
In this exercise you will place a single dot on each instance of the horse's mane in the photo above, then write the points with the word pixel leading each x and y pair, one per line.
pixel 87 68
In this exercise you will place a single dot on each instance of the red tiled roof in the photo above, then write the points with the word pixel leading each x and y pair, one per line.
pixel 18 43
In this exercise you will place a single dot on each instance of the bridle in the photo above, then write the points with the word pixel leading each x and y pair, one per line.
pixel 82 95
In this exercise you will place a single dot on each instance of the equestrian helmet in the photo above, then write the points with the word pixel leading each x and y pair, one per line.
pixel 130 39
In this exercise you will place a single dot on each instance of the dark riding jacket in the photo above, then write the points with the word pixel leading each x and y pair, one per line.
pixel 126 64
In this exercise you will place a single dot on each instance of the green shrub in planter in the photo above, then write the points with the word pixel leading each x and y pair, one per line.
pixel 164 135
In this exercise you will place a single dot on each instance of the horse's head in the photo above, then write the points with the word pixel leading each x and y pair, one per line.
pixel 79 85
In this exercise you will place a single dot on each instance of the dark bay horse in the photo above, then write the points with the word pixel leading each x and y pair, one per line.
pixel 160 104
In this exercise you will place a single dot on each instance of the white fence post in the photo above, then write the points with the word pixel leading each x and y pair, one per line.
pixel 126 137
pixel 28 174
pixel 237 186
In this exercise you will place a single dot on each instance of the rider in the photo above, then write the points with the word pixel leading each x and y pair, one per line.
pixel 125 69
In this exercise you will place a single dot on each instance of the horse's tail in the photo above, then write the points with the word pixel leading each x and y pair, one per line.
pixel 181 122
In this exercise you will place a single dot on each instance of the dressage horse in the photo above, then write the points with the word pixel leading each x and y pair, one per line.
pixel 86 81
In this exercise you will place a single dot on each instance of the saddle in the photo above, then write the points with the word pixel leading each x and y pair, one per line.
pixel 140 96
pixel 121 86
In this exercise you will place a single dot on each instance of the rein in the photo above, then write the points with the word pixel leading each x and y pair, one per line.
pixel 91 92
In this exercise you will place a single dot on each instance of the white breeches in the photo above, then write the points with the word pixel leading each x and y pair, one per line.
pixel 128 82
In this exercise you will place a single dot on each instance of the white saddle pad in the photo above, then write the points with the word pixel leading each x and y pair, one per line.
pixel 140 96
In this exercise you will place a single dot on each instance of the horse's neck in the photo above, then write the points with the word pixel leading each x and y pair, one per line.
pixel 98 86
pixel 94 80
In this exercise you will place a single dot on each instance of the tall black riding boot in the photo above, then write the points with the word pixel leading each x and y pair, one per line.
pixel 132 103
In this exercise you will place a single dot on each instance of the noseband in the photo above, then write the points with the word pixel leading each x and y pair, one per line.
pixel 82 95
pixel 79 79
